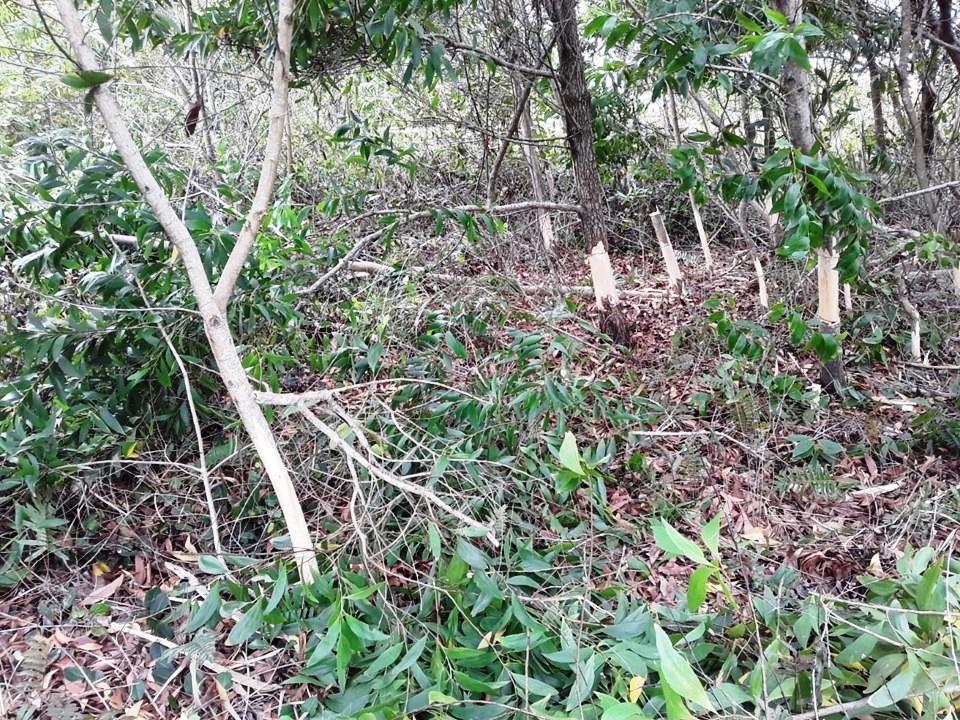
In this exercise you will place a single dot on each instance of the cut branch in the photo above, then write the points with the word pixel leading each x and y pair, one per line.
pixel 271 157
pixel 406 486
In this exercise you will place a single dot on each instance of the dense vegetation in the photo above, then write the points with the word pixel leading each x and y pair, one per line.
pixel 476 360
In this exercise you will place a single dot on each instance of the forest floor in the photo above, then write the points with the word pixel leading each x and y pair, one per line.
pixel 895 480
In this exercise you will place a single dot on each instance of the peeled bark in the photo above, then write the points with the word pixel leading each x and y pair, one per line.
pixel 576 101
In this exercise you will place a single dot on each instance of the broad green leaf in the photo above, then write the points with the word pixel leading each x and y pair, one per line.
pixel 471 555
pixel 212 565
pixel 710 534
pixel 678 673
pixel 899 687
pixel 669 538
pixel 527 685
pixel 622 711
pixel 697 587
pixel 279 588
pixel 570 454
pixel 439 698
pixel 585 677
pixel 455 345
pixel 110 421
pixel 676 710
pixel 247 625
pixel 364 593
pixel 384 660
pixel 206 610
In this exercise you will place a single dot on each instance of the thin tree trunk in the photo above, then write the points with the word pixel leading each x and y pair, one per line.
pixel 674 122
pixel 218 334
pixel 944 30
pixel 796 93
pixel 876 102
pixel 535 165
pixel 576 102
pixel 906 98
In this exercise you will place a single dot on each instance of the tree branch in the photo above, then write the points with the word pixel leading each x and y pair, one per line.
pixel 271 157
pixel 505 144
pixel 503 62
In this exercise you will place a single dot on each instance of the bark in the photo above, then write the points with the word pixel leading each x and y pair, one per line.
pixel 796 95
pixel 576 102
pixel 218 334
pixel 944 31
pixel 876 102
pixel 271 157
pixel 928 125
pixel 522 98
pixel 906 98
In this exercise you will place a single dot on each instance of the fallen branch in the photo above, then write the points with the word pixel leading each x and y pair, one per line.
pixel 238 678
pixel 853 706
pixel 375 268
pixel 917 193
pixel 350 452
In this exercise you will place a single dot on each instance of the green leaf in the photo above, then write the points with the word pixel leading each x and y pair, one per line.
pixel 668 538
pixel 438 698
pixel 364 593
pixel 678 673
pixel 775 16
pixel 710 534
pixel 899 687
pixel 676 710
pixel 434 541
pixel 456 347
pixel 471 555
pixel 212 565
pixel 532 686
pixel 802 446
pixel 697 587
pixel 384 660
pixel 622 711
pixel 586 676
pixel 279 588
pixel 85 79
pixel 110 421
pixel 570 454
pixel 247 625
pixel 205 612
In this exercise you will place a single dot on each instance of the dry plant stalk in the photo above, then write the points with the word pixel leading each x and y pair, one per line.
pixel 666 249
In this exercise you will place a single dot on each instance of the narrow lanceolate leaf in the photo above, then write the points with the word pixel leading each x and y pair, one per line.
pixel 247 625
pixel 669 538
pixel 203 614
pixel 86 79
pixel 678 673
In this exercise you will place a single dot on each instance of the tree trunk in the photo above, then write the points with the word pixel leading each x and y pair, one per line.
pixel 796 96
pixel 535 166
pixel 944 31
pixel 576 102
pixel 876 101
pixel 906 98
